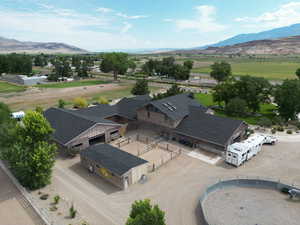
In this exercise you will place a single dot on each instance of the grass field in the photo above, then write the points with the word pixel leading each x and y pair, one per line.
pixel 72 84
pixel 268 70
pixel 266 110
pixel 6 87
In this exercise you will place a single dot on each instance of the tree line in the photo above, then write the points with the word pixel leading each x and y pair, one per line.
pixel 246 94
pixel 16 64
pixel 169 68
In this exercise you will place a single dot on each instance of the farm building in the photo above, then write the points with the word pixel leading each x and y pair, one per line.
pixel 179 118
pixel 183 119
pixel 78 129
pixel 116 166
pixel 24 80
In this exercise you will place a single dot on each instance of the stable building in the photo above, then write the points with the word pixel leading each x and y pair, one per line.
pixel 181 118
pixel 81 128
pixel 114 165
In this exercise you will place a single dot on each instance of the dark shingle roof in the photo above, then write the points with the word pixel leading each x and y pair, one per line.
pixel 97 113
pixel 181 102
pixel 112 158
pixel 67 125
pixel 127 107
pixel 208 127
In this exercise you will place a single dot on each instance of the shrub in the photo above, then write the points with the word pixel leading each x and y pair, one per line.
pixel 236 107
pixel 80 103
pixel 102 100
pixel 61 103
pixel 73 212
pixel 56 199
pixel 264 122
pixel 44 196
pixel 289 132
pixel 39 109
pixel 53 208
pixel 273 131
pixel 280 129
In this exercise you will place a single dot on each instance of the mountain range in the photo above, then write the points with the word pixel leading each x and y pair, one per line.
pixel 12 45
pixel 293 30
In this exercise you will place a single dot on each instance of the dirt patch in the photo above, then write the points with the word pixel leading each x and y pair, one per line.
pixel 250 206
pixel 49 97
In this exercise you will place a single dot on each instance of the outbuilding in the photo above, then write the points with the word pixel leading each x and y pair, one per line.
pixel 114 165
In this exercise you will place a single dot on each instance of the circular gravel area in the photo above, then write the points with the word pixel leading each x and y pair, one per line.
pixel 251 206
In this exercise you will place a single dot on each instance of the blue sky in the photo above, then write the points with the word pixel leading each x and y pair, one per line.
pixel 97 25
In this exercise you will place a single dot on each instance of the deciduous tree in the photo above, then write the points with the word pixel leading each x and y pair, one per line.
pixel 143 213
pixel 221 71
pixel 140 88
pixel 287 98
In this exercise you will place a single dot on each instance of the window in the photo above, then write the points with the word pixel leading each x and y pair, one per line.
pixel 114 132
pixel 76 146
pixel 229 154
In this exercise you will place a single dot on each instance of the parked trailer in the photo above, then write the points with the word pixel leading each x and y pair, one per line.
pixel 18 115
pixel 240 152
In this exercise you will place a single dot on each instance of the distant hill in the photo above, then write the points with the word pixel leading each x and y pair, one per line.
pixel 293 30
pixel 282 46
pixel 12 45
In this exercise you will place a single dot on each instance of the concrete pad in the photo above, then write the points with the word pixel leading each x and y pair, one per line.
pixel 204 158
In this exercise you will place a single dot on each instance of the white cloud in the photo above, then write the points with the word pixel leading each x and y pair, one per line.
pixel 126 27
pixel 205 21
pixel 131 17
pixel 285 15
pixel 104 10
pixel 168 20
pixel 82 30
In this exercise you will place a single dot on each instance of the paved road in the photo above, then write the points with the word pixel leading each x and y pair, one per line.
pixel 14 209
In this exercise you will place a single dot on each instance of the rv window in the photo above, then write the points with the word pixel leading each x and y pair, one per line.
pixel 234 156
pixel 229 154
pixel 243 154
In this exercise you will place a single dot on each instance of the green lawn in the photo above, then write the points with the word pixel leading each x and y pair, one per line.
pixel 72 84
pixel 266 110
pixel 6 87
pixel 269 70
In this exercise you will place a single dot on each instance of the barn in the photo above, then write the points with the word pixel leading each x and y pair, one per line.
pixel 114 165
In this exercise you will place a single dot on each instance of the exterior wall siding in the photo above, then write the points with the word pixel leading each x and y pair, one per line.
pixel 133 175
pixel 156 118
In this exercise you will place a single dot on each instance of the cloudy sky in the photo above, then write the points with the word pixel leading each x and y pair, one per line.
pixel 97 25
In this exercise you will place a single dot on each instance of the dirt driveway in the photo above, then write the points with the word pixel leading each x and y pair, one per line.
pixel 49 96
pixel 176 186
pixel 14 210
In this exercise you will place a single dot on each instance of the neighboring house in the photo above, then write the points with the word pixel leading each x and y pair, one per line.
pixel 180 118
pixel 116 166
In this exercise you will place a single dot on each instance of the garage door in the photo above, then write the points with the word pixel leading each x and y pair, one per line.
pixel 97 140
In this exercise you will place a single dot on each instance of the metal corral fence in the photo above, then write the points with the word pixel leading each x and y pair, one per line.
pixel 173 152
pixel 28 199
pixel 259 183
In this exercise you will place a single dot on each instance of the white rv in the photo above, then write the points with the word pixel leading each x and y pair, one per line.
pixel 240 152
